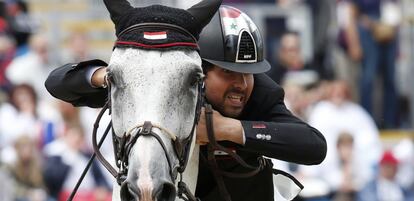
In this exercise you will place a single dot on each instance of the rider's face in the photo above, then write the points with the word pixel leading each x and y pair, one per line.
pixel 228 91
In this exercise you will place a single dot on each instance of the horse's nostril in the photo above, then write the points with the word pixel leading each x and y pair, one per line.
pixel 167 192
pixel 126 193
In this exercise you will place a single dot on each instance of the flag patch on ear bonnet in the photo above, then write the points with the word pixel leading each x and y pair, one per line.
pixel 155 35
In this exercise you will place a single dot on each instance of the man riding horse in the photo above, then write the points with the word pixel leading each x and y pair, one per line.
pixel 249 115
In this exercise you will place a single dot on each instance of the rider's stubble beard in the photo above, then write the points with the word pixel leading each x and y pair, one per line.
pixel 225 108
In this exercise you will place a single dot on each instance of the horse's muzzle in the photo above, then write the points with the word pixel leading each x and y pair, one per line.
pixel 165 192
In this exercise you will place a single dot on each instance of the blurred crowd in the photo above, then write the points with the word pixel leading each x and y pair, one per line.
pixel 348 90
pixel 44 143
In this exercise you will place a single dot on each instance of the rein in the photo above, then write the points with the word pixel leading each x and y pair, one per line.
pixel 211 158
pixel 123 145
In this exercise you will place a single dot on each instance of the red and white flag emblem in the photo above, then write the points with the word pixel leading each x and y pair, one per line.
pixel 155 35
pixel 258 125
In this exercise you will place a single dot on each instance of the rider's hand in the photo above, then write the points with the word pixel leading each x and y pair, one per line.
pixel 225 128
pixel 98 77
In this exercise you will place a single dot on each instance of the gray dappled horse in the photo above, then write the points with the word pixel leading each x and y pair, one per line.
pixel 155 76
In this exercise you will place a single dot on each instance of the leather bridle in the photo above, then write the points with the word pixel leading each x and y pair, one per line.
pixel 123 145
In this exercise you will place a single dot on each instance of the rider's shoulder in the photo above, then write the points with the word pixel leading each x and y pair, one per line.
pixel 263 83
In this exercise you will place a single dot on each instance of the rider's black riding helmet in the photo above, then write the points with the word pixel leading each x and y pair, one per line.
pixel 232 41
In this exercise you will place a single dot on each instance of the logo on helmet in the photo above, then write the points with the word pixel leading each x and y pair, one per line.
pixel 237 26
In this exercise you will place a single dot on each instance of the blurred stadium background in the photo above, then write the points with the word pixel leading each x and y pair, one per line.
pixel 308 44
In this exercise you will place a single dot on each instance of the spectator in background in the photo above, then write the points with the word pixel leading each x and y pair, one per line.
pixel 290 61
pixel 18 117
pixel 27 171
pixel 322 22
pixel 2 9
pixel 295 99
pixel 85 117
pixel 6 191
pixel 70 115
pixel 65 161
pixel 371 37
pixel 7 47
pixel 346 181
pixel 22 25
pixel 22 115
pixel 338 114
pixel 341 178
pixel 3 16
pixel 7 51
pixel 383 187
pixel 78 47
pixel 345 67
pixel 404 152
pixel 4 26
pixel 234 1
pixel 33 67
pixel 286 3
pixel 301 96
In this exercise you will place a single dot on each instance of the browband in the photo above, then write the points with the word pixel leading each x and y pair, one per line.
pixel 157 25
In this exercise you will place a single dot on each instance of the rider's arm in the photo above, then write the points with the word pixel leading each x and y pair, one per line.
pixel 280 134
pixel 225 129
pixel 268 128
pixel 72 83
pixel 290 140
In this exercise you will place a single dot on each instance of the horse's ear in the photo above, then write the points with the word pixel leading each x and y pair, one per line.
pixel 205 10
pixel 116 8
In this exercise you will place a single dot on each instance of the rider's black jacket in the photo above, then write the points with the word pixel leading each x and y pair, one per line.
pixel 270 130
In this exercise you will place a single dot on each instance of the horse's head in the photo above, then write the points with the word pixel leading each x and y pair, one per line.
pixel 161 88
pixel 156 86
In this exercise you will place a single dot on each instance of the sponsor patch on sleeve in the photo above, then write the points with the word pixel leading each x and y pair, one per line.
pixel 258 125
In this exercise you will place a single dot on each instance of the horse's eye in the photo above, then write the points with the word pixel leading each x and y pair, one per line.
pixel 194 81
pixel 197 79
pixel 111 78
pixel 117 80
